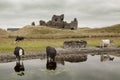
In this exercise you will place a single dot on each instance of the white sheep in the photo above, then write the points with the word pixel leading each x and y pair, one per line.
pixel 106 43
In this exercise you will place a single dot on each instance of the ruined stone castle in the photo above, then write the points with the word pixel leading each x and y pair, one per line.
pixel 57 21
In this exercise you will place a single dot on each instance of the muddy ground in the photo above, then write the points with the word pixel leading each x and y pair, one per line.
pixel 63 54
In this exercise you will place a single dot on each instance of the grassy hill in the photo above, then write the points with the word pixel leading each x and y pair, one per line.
pixel 41 36
pixel 108 29
pixel 50 33
pixel 3 33
pixel 44 32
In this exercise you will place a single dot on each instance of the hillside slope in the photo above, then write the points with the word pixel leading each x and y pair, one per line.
pixel 108 29
pixel 3 33
pixel 50 33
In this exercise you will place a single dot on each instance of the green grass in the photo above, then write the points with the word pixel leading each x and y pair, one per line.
pixel 8 45
pixel 38 37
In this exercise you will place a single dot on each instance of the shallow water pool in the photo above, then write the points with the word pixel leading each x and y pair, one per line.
pixel 92 69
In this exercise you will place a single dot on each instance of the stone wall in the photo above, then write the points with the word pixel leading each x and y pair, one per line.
pixel 57 21
pixel 33 23
pixel 75 44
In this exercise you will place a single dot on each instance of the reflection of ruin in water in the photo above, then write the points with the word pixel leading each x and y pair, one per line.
pixel 19 68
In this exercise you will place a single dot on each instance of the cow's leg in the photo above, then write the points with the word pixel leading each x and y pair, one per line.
pixel 102 45
pixel 18 58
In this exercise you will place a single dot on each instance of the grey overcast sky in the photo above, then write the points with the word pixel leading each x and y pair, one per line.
pixel 90 13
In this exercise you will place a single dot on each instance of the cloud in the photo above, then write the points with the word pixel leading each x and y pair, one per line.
pixel 87 11
pixel 25 7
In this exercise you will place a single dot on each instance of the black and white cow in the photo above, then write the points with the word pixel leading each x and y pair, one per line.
pixel 19 38
pixel 51 53
pixel 18 52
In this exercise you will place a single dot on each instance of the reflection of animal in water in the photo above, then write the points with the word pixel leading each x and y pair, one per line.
pixel 106 43
pixel 51 65
pixel 51 53
pixel 18 52
pixel 106 58
pixel 19 68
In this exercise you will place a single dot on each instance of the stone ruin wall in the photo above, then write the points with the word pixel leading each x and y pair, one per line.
pixel 58 22
pixel 75 44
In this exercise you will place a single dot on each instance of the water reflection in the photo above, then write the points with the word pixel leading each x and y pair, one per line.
pixel 19 68
pixel 106 57
pixel 60 62
pixel 35 69
pixel 51 65
pixel 76 58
